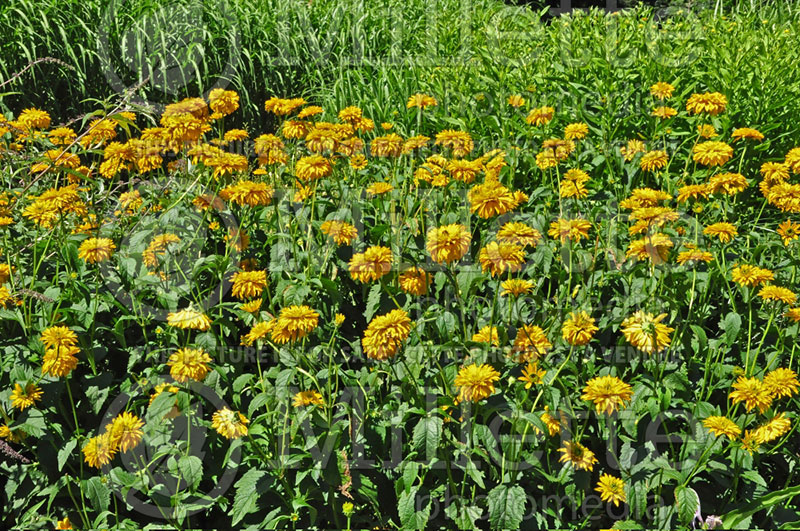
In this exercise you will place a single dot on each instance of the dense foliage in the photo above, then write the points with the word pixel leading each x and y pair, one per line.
pixel 541 276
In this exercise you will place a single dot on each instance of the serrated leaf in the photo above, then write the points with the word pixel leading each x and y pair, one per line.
pixel 687 503
pixel 427 434
pixel 410 518
pixel 65 451
pixel 506 506
pixel 731 324
pixel 191 468
pixel 246 497
pixel 98 493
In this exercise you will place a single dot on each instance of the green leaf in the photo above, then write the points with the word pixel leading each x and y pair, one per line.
pixel 463 515
pixel 65 451
pixel 506 506
pixel 735 518
pixel 244 501
pixel 160 407
pixel 626 524
pixel 427 434
pixel 731 324
pixel 373 302
pixel 98 493
pixel 410 518
pixel 191 468
pixel 687 502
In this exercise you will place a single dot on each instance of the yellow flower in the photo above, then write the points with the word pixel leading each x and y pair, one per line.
pixel 518 233
pixel 532 375
pixel 308 398
pixel 712 153
pixel 27 397
pixel 516 287
pixel 420 100
pixel 788 231
pixel 749 442
pixel 630 149
pixel 34 118
pixel 459 142
pixel 341 232
pixel 747 133
pixel 390 145
pixel 372 264
pixel 223 101
pixel 63 524
pixel 706 131
pixel 475 382
pixel 577 455
pixel 747 275
pixel 644 331
pixel 723 230
pixel 576 131
pixel 777 293
pixel 487 334
pixel 338 319
pixel 190 319
pixel 569 229
pixel 253 306
pixel 230 424
pixel 781 382
pixel 312 167
pixel 448 243
pixel 5 273
pixel 694 255
pixel 578 329
pixel 793 314
pixel 515 100
pixel 258 331
pixel 248 284
pixel 712 103
pixel 379 188
pixel 693 191
pixel 99 450
pixel 530 344
pixel 236 135
pixel 293 323
pixel 608 393
pixel 96 250
pixel 752 392
pixel 727 183
pixel 720 426
pixel 664 112
pixel 662 90
pixel 654 247
pixel 385 334
pixel 490 199
pixel 540 116
pixel 59 336
pixel 415 281
pixel 553 425
pixel 773 429
pixel 282 106
pixel 611 489
pixel 189 363
pixel 498 258
pixel 248 193
pixel 60 361
pixel 654 160
pixel 126 431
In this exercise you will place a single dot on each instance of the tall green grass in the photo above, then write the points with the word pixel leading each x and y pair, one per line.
pixel 469 53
